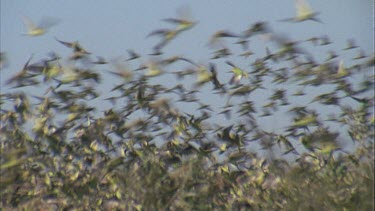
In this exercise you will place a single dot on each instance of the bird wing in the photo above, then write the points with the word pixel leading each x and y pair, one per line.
pixel 303 9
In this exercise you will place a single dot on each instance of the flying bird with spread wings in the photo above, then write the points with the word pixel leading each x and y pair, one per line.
pixel 304 12
pixel 38 29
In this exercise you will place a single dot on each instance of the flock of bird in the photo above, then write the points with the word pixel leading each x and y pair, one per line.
pixel 143 112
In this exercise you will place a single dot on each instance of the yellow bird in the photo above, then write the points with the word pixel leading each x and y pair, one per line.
pixel 204 76
pixel 184 20
pixel 341 71
pixel 238 73
pixel 40 29
pixel 154 69
pixel 303 12
pixel 182 24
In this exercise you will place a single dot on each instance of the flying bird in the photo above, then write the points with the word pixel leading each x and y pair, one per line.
pixel 238 73
pixel 21 74
pixel 154 69
pixel 184 20
pixel 203 76
pixel 304 12
pixel 132 55
pixel 78 51
pixel 182 24
pixel 77 48
pixel 174 59
pixel 100 60
pixel 216 38
pixel 256 29
pixel 38 29
pixel 215 81
pixel 166 34
pixel 350 45
pixel 341 71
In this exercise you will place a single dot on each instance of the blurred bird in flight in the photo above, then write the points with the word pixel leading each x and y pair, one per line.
pixel 74 45
pixel 237 73
pixel 303 12
pixel 78 51
pixel 40 29
pixel 184 20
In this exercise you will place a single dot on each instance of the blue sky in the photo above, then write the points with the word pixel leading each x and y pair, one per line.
pixel 109 28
